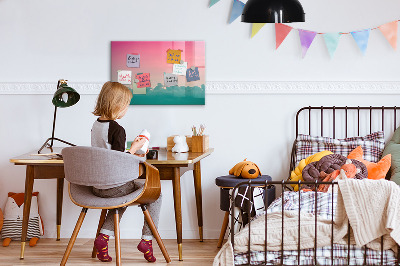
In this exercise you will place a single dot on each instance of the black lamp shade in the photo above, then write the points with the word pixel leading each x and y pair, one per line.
pixel 65 96
pixel 273 11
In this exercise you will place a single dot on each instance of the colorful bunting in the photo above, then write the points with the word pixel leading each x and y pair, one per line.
pixel 256 27
pixel 361 37
pixel 237 9
pixel 281 31
pixel 332 41
pixel 389 30
pixel 213 2
pixel 306 39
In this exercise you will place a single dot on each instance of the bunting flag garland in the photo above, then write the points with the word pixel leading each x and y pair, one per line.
pixel 389 30
pixel 281 31
pixel 306 39
pixel 332 41
pixel 361 37
pixel 213 2
pixel 237 9
pixel 256 27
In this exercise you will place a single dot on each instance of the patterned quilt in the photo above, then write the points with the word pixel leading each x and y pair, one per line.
pixel 321 205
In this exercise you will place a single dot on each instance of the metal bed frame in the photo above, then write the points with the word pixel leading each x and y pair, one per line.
pixel 283 184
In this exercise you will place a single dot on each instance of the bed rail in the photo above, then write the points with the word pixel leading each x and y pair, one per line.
pixel 342 119
pixel 265 185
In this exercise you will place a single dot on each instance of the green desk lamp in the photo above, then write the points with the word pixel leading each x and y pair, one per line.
pixel 65 96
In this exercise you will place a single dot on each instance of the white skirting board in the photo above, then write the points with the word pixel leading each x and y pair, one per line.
pixel 230 87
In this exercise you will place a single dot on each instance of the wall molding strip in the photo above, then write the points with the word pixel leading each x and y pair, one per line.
pixel 231 87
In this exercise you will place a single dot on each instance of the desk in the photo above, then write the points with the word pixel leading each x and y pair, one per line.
pixel 40 167
pixel 171 167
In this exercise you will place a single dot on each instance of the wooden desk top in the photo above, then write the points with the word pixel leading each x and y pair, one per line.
pixel 164 157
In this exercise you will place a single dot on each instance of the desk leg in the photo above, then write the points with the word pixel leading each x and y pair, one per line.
pixel 197 189
pixel 176 182
pixel 60 190
pixel 27 206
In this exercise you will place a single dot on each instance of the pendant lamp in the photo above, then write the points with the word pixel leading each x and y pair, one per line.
pixel 64 96
pixel 272 11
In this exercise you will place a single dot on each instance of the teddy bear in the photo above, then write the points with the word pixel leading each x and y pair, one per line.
pixel 180 144
pixel 13 215
pixel 245 169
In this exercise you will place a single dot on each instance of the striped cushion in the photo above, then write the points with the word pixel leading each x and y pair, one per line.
pixel 372 145
pixel 13 228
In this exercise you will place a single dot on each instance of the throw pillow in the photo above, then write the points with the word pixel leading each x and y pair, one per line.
pixel 372 144
pixel 393 148
pixel 375 170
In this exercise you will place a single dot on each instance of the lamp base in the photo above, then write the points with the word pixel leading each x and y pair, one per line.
pixel 50 146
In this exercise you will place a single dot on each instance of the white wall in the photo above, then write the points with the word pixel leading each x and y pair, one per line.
pixel 42 41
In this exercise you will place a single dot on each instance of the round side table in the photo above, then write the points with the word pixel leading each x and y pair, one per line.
pixel 228 182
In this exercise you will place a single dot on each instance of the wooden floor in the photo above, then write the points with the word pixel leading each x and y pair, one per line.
pixel 50 252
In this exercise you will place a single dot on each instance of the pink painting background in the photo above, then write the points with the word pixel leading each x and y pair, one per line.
pixel 153 59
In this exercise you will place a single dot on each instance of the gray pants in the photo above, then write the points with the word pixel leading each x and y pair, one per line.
pixel 154 208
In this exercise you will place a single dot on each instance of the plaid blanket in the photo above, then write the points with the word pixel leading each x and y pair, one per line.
pixel 324 257
pixel 323 205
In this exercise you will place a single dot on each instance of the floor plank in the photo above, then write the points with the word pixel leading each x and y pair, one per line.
pixel 49 252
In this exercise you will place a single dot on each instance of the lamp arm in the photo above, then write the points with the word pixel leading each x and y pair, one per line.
pixel 54 126
pixel 55 115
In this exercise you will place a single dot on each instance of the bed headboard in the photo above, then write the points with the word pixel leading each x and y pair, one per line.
pixel 344 121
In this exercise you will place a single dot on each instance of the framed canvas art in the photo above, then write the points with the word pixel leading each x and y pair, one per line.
pixel 160 72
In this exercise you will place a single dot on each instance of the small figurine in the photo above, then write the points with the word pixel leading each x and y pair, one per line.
pixel 180 144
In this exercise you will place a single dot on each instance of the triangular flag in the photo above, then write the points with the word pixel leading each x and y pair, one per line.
pixel 361 37
pixel 306 39
pixel 390 32
pixel 332 41
pixel 237 9
pixel 256 27
pixel 213 2
pixel 281 31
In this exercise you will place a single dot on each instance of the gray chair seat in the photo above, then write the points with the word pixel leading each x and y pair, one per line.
pixel 83 196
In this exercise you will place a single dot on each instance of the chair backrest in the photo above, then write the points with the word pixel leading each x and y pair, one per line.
pixel 92 166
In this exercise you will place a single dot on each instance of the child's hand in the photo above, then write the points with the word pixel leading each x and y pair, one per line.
pixel 137 144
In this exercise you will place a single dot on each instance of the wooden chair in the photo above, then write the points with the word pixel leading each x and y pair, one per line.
pixel 85 167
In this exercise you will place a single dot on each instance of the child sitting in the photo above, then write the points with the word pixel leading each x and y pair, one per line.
pixel 112 103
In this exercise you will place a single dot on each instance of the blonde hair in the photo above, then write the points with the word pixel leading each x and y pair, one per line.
pixel 112 99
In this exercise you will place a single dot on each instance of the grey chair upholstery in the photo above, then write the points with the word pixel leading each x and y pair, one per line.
pixel 85 167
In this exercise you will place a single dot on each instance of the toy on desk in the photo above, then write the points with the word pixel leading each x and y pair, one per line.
pixel 144 134
pixel 180 144
pixel 245 169
pixel 13 215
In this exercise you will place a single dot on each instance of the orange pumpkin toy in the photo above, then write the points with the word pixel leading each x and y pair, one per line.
pixel 245 169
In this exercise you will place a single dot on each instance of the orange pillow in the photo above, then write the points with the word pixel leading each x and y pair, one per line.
pixel 375 170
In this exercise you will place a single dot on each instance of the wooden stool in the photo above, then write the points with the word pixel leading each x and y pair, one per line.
pixel 226 183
